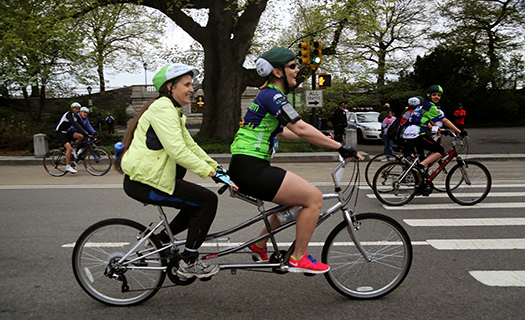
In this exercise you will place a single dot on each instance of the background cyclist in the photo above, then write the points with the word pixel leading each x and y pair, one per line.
pixel 85 120
pixel 64 135
pixel 159 150
pixel 418 133
pixel 270 115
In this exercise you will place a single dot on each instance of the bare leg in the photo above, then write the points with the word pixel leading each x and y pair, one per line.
pixel 69 149
pixel 431 158
pixel 296 191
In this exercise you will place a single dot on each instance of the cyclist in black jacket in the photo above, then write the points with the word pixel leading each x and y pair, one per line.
pixel 64 135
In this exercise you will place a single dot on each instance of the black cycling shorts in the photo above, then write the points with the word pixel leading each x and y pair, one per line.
pixel 426 143
pixel 64 138
pixel 256 177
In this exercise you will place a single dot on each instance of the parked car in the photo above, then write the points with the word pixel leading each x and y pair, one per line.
pixel 366 124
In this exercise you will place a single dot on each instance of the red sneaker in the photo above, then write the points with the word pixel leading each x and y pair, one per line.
pixel 259 253
pixel 307 264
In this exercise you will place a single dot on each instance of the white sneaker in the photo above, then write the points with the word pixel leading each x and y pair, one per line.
pixel 70 169
pixel 199 269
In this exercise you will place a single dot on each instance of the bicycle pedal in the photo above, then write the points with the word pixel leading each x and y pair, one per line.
pixel 309 274
pixel 205 279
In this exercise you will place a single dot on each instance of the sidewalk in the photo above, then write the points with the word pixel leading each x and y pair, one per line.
pixel 296 157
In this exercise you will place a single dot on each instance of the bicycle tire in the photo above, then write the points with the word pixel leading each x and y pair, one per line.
pixel 55 162
pixel 98 161
pixel 387 187
pixel 106 242
pixel 374 164
pixel 463 181
pixel 388 246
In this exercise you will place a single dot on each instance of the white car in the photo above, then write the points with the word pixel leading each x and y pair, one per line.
pixel 366 124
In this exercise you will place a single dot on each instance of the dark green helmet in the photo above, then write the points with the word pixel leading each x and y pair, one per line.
pixel 434 88
pixel 273 58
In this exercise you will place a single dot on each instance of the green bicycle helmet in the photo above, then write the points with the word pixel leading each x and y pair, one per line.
pixel 273 58
pixel 75 105
pixel 171 71
pixel 434 88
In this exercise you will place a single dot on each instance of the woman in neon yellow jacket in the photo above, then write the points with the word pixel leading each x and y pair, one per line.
pixel 159 151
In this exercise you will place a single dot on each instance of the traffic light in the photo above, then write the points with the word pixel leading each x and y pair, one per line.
pixel 324 80
pixel 304 54
pixel 317 53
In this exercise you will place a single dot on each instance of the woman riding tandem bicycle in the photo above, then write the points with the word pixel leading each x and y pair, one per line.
pixel 271 115
pixel 159 150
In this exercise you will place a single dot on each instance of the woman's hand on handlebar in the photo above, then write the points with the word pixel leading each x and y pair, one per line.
pixel 349 152
pixel 221 176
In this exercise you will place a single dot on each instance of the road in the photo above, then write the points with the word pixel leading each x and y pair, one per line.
pixel 455 260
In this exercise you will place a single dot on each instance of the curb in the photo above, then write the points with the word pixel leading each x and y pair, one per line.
pixel 297 157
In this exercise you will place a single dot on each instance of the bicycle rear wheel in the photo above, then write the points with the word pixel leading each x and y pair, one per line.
pixel 394 184
pixel 375 163
pixel 55 162
pixel 101 276
pixel 468 183
pixel 388 247
pixel 98 161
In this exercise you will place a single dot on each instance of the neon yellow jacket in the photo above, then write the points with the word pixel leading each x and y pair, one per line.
pixel 160 142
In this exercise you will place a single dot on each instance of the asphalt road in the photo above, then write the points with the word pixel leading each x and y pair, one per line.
pixel 454 259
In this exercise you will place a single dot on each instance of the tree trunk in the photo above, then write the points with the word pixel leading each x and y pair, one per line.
pixel 101 80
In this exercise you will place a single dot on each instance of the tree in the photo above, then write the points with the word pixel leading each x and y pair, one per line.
pixel 366 36
pixel 116 36
pixel 225 30
pixel 37 45
pixel 491 28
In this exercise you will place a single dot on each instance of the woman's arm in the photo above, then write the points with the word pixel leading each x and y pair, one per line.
pixel 307 132
pixel 450 125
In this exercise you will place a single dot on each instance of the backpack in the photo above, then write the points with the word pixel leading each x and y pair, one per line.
pixel 395 130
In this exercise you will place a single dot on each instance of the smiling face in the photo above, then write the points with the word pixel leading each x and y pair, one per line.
pixel 291 70
pixel 435 97
pixel 183 90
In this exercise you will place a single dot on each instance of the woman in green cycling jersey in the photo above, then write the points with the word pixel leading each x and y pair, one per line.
pixel 270 115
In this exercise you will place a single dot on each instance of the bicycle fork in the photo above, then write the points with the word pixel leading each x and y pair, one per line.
pixel 352 227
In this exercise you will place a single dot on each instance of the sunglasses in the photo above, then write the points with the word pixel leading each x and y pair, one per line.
pixel 291 66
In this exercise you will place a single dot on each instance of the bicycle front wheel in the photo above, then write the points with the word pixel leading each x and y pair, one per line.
pixel 394 184
pixel 100 274
pixel 468 183
pixel 389 250
pixel 55 162
pixel 98 161
pixel 375 163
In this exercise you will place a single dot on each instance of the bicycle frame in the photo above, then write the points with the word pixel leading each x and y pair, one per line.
pixel 264 215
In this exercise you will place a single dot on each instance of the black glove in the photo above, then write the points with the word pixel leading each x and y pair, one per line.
pixel 463 134
pixel 347 152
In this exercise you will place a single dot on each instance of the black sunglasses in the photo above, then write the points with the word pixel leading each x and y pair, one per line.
pixel 291 66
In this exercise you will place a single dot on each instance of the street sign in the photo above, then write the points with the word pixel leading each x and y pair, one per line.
pixel 314 98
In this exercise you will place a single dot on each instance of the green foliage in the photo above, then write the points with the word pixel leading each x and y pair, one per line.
pixel 16 131
pixel 120 115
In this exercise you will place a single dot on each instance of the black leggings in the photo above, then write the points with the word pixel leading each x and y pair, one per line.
pixel 197 205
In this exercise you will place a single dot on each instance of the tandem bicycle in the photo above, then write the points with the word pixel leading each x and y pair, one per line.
pixel 122 262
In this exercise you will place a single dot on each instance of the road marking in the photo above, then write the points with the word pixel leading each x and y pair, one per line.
pixel 362 186
pixel 517 185
pixel 228 244
pixel 445 195
pixel 477 244
pixel 445 206
pixel 469 222
pixel 500 278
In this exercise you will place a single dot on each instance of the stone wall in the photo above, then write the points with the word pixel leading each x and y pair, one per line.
pixel 107 100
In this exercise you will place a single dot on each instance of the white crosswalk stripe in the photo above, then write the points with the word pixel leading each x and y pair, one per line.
pixel 495 278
